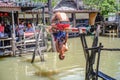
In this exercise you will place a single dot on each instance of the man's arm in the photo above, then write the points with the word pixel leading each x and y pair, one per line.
pixel 49 29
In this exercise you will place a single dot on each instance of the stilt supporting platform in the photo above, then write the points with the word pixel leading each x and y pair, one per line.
pixel 104 76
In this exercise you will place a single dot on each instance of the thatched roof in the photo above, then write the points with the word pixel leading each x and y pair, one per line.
pixel 68 5
pixel 71 6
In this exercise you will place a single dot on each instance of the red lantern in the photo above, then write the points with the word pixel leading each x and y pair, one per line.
pixel 5 14
pixel 1 14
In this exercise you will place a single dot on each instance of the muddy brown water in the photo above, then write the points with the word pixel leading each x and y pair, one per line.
pixel 71 68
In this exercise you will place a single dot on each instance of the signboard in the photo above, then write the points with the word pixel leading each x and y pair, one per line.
pixel 111 17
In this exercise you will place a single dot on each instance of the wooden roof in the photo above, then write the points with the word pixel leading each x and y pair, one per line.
pixel 77 11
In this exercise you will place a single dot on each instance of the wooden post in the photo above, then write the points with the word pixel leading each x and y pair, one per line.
pixel 32 17
pixel 13 34
pixel 74 19
pixel 43 15
pixel 50 14
pixel 37 18
pixel 16 18
pixel 118 28
pixel 98 60
pixel 50 9
pixel 24 16
pixel 77 2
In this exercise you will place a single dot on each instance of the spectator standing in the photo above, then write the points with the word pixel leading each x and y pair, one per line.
pixel 21 29
pixel 1 30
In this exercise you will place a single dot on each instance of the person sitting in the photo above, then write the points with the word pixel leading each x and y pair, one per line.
pixel 7 30
pixel 29 28
pixel 7 33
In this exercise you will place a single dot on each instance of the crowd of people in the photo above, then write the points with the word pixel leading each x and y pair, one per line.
pixel 6 30
pixel 23 27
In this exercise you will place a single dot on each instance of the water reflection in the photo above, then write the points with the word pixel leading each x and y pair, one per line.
pixel 72 68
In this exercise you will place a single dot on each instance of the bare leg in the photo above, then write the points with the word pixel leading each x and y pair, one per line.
pixel 57 46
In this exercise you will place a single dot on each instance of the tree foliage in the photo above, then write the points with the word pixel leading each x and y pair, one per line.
pixel 105 6
pixel 46 1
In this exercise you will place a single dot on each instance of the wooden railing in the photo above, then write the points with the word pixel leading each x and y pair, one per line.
pixel 5 45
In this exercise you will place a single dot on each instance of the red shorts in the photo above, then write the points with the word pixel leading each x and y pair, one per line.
pixel 62 26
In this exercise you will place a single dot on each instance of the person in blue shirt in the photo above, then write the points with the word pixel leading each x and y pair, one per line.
pixel 29 28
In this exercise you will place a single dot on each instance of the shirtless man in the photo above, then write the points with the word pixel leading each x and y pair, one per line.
pixel 60 22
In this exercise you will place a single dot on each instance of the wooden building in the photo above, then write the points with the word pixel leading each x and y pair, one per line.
pixel 76 11
pixel 6 9
pixel 9 13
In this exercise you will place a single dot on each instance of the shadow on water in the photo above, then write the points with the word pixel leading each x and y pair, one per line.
pixel 43 72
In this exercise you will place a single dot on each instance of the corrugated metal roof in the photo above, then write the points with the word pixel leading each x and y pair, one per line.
pixel 18 6
pixel 7 7
pixel 6 4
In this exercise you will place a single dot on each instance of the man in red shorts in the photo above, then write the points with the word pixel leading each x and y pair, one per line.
pixel 60 22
